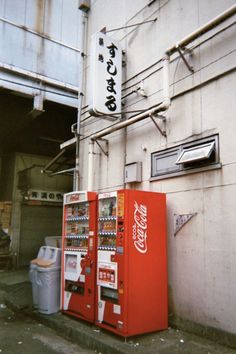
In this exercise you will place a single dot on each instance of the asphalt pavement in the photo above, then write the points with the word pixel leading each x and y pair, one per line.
pixel 20 334
pixel 23 330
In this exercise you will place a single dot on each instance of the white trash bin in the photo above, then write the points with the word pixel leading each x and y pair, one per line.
pixel 33 274
pixel 48 282
pixel 48 259
pixel 33 277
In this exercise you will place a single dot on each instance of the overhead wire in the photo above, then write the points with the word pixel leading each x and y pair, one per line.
pixel 160 60
pixel 176 95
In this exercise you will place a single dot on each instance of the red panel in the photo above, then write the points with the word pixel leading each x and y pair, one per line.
pixel 147 263
pixel 142 265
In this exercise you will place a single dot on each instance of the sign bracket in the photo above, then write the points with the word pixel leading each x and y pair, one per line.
pixel 103 149
pixel 163 132
pixel 181 53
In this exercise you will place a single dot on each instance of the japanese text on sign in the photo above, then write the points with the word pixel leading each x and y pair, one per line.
pixel 106 75
pixel 49 196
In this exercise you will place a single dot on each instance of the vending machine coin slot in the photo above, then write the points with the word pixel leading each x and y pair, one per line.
pixel 74 287
pixel 109 295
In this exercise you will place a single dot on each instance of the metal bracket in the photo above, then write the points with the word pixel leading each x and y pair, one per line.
pixel 163 132
pixel 181 53
pixel 103 149
pixel 37 104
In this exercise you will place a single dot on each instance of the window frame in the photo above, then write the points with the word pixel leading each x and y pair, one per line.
pixel 210 145
pixel 189 167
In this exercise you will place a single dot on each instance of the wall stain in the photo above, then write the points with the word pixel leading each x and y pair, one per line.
pixel 171 304
pixel 39 19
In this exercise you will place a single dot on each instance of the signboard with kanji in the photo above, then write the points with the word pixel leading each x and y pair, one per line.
pixel 46 196
pixel 106 70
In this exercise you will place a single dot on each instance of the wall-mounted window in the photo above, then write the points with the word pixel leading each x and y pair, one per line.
pixel 196 156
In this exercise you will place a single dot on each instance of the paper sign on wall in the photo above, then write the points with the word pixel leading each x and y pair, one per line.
pixel 181 220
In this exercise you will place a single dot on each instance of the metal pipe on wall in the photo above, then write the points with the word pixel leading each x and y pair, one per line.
pixel 166 99
pixel 159 108
pixel 203 29
pixel 84 19
pixel 90 165
pixel 166 89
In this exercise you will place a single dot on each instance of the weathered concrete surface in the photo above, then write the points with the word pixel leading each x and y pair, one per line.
pixel 20 334
pixel 17 295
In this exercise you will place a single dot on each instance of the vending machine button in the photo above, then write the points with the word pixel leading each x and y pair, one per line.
pixel 87 270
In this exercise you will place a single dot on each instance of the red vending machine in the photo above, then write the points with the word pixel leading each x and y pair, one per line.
pixel 79 254
pixel 131 262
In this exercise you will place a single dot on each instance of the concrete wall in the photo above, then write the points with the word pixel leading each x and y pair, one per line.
pixel 23 47
pixel 37 223
pixel 7 177
pixel 202 257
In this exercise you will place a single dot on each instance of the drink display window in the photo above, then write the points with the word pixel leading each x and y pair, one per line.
pixel 77 226
pixel 107 224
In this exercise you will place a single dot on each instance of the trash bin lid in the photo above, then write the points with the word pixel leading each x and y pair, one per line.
pixel 42 262
pixel 48 269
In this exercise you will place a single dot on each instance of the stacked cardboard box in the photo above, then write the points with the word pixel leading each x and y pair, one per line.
pixel 5 215
pixel 5 221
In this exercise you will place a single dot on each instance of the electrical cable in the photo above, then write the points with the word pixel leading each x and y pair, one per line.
pixel 99 118
pixel 153 13
pixel 159 61
pixel 173 84
pixel 128 26
pixel 176 95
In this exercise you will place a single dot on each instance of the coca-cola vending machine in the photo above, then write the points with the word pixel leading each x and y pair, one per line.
pixel 79 254
pixel 131 262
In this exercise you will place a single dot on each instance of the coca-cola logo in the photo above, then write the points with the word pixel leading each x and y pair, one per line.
pixel 74 198
pixel 140 227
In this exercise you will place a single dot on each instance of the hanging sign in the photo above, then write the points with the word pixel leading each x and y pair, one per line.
pixel 45 196
pixel 106 70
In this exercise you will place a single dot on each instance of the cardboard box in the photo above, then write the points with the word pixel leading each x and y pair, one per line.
pixel 5 214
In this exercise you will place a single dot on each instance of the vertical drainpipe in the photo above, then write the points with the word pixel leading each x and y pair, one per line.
pixel 90 165
pixel 166 86
pixel 166 81
pixel 83 34
pixel 123 116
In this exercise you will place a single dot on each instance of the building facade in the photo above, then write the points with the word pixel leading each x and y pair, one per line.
pixel 190 156
pixel 186 150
